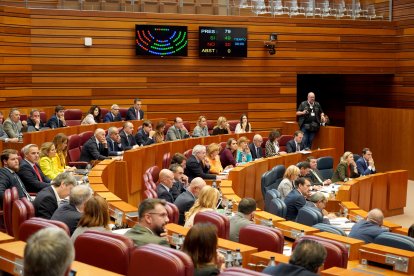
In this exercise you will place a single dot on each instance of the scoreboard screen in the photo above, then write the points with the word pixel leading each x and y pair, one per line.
pixel 222 42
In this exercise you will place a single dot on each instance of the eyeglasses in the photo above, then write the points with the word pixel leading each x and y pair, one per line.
pixel 159 214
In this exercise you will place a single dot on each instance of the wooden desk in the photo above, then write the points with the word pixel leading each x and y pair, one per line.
pixel 292 229
pixel 402 231
pixel 338 271
pixel 127 210
pixel 5 238
pixel 109 196
pixel 261 216
pixel 99 188
pixel 262 258
pixel 353 245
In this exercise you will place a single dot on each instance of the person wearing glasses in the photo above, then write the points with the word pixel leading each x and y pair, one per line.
pixel 114 115
pixel 152 217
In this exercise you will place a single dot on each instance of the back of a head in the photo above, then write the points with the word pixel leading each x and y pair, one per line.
pixel 376 216
pixel 96 213
pixel 308 254
pixel 247 206
pixel 48 252
pixel 80 194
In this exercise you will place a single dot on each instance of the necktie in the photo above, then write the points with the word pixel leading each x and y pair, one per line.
pixel 138 115
pixel 37 173
pixel 317 176
pixel 99 147
pixel 297 147
pixel 22 187
pixel 257 153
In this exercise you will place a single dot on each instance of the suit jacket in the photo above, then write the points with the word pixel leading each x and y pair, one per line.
pixel 113 147
pixel 253 151
pixel 363 168
pixel 341 172
pixel 177 189
pixel 132 115
pixel 184 202
pixel 237 222
pixel 7 181
pixel 195 169
pixel 288 270
pixel 366 231
pixel 162 193
pixel 142 236
pixel 45 203
pixel 29 177
pixel 54 122
pixel 313 206
pixel 3 134
pixel 313 179
pixel 31 125
pixel 127 142
pixel 200 132
pixel 91 152
pixel 68 214
pixel 174 133
pixel 13 130
pixel 109 117
pixel 291 146
pixel 142 138
pixel 294 201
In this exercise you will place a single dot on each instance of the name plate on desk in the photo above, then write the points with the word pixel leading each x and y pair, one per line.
pixel 293 229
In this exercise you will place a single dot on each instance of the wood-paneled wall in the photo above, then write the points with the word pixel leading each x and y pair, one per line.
pixel 44 63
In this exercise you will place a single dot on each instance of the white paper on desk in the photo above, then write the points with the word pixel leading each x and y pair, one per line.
pixel 345 226
pixel 121 231
pixel 338 221
pixel 305 151
pixel 287 251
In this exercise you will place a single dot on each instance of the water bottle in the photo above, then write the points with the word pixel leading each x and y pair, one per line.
pixel 269 223
pixel 272 261
pixel 179 242
pixel 229 208
pixel 229 259
pixel 238 258
pixel 345 212
pixel 20 137
pixel 301 234
pixel 214 185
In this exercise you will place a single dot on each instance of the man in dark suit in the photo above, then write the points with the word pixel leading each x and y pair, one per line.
pixel 296 198
pixel 368 229
pixel 8 175
pixel 70 213
pixel 318 201
pixel 295 144
pixel 30 173
pixel 144 135
pixel 33 122
pixel 166 178
pixel 186 200
pixel 113 115
pixel 135 112
pixel 365 164
pixel 127 138
pixel 96 148
pixel 48 199
pixel 198 166
pixel 57 120
pixel 256 147
pixel 314 175
pixel 180 180
pixel 114 142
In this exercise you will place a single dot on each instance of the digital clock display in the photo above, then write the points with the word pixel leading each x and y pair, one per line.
pixel 222 42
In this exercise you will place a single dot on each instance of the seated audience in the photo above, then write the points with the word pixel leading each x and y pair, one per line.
pixel 58 119
pixel 243 154
pixel 127 136
pixel 33 122
pixel 228 154
pixel 222 127
pixel 368 229
pixel 201 129
pixel 346 168
pixel 304 169
pixel 201 245
pixel 93 116
pixel 48 252
pixel 61 145
pixel 198 166
pixel 296 198
pixel 96 148
pixel 95 217
pixel 152 217
pixel 324 120
pixel 13 127
pixel 206 201
pixel 70 213
pixel 295 144
pixel 159 133
pixel 113 115
pixel 177 131
pixel 314 175
pixel 318 202
pixel 288 182
pixel 29 172
pixel 256 147
pixel 186 199
pixel 48 162
pixel 166 178
pixel 179 158
pixel 48 199
pixel 113 140
pixel 214 158
pixel 365 164
pixel 180 180
pixel 244 125
pixel 8 174
pixel 144 136
pixel 307 260
pixel 244 217
pixel 272 145
pixel 135 112
pixel 411 231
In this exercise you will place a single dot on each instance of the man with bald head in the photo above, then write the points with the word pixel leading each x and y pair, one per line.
pixel 96 148
pixel 256 147
pixel 186 200
pixel 166 178
pixel 127 138
pixel 310 116
pixel 368 229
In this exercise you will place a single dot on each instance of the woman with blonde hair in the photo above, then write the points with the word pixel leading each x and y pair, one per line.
pixel 201 129
pixel 243 152
pixel 95 217
pixel 206 201
pixel 222 126
pixel 214 158
pixel 47 161
pixel 288 182
pixel 61 144
pixel 346 169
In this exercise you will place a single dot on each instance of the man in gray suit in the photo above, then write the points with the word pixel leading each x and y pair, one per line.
pixel 186 199
pixel 318 202
pixel 177 131
pixel 12 125
pixel 242 218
